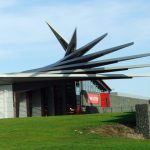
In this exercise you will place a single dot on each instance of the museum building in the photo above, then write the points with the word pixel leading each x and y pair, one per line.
pixel 59 88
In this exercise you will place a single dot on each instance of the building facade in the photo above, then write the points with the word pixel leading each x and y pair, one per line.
pixel 36 99
pixel 51 90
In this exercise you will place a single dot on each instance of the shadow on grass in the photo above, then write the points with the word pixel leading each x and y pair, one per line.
pixel 128 119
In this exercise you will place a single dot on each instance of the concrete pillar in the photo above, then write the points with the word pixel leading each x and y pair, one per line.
pixel 29 103
pixel 6 101
pixel 16 96
pixel 143 119
pixel 22 105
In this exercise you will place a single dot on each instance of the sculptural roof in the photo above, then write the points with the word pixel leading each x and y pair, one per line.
pixel 78 65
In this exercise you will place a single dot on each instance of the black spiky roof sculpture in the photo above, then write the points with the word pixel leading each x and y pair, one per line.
pixel 78 66
pixel 75 62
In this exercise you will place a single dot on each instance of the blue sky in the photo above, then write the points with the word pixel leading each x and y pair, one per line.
pixel 26 42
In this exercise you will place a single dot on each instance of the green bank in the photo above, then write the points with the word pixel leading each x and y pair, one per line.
pixel 67 132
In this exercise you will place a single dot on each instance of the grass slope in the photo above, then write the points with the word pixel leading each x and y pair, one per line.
pixel 66 133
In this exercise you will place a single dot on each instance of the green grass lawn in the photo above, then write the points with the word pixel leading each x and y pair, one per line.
pixel 66 133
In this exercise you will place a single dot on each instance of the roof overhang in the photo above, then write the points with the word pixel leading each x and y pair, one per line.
pixel 30 77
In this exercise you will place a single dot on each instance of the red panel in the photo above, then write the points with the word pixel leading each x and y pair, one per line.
pixel 105 100
pixel 93 98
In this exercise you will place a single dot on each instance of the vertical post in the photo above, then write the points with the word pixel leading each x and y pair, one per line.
pixel 81 93
pixel 51 103
pixel 16 95
pixel 29 103
pixel 64 110
pixel 43 101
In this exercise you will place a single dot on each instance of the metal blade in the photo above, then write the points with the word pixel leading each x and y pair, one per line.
pixel 84 49
pixel 94 55
pixel 72 45
pixel 61 40
pixel 100 70
pixel 95 63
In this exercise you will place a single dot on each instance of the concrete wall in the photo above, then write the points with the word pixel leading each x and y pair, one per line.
pixel 143 119
pixel 35 103
pixel 124 104
pixel 22 105
pixel 6 101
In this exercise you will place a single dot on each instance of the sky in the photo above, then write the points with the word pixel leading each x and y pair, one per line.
pixel 26 42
